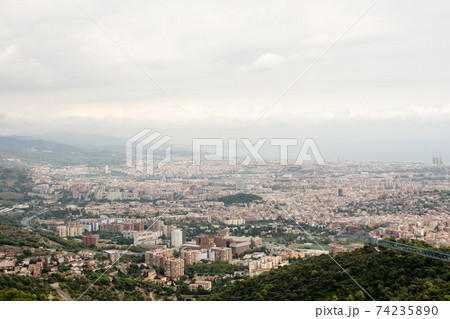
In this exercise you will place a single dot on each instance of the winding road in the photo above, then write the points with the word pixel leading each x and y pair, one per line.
pixel 26 222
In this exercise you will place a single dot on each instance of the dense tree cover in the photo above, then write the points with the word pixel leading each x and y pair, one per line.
pixel 14 236
pixel 30 241
pixel 55 214
pixel 24 288
pixel 68 244
pixel 137 249
pixel 19 295
pixel 239 198
pixel 11 220
pixel 386 275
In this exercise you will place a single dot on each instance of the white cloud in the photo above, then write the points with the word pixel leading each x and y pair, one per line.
pixel 264 62
pixel 19 70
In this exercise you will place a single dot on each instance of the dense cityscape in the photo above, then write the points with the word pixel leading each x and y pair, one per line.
pixel 189 228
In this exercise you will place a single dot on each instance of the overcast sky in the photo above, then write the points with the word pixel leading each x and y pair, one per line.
pixel 381 92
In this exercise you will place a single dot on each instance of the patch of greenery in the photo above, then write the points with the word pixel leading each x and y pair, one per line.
pixel 240 198
pixel 68 244
pixel 11 220
pixel 24 288
pixel 14 236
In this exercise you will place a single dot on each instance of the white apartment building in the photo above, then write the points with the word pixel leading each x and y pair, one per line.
pixel 177 238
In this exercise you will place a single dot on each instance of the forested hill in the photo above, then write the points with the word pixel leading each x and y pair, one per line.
pixel 386 274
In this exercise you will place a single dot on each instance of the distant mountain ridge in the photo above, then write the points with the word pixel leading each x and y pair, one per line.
pixel 86 140
pixel 100 142
pixel 33 150
pixel 25 143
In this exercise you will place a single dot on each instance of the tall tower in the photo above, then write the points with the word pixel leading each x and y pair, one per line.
pixel 437 158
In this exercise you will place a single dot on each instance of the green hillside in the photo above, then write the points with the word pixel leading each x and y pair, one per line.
pixel 20 288
pixel 386 275
pixel 13 185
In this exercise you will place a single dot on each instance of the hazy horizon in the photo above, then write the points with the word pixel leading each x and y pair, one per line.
pixel 344 151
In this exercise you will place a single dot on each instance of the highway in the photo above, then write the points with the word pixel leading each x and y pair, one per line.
pixel 61 293
pixel 26 222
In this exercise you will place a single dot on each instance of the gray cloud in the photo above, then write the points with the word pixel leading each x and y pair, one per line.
pixel 225 62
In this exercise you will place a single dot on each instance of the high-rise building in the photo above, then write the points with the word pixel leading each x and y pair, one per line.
pixel 174 268
pixel 156 225
pixel 71 230
pixel 190 256
pixel 90 240
pixel 223 254
pixel 163 258
pixel 62 231
pixel 177 238
pixel 156 258
pixel 167 230
pixel 89 225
